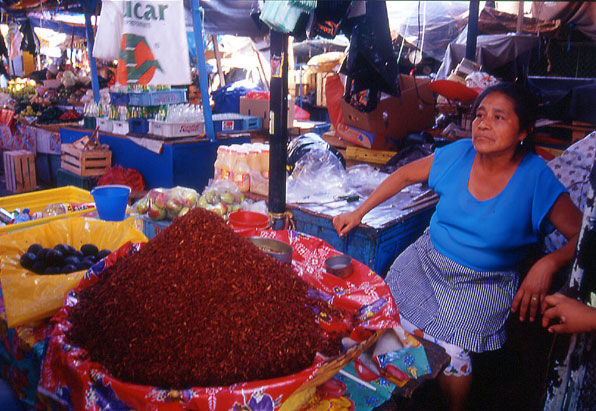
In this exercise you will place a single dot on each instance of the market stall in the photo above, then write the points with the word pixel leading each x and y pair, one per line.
pixel 192 161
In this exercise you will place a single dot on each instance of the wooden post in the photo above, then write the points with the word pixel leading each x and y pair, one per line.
pixel 222 80
pixel 520 17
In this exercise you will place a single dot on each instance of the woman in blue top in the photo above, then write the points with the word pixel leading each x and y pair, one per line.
pixel 458 282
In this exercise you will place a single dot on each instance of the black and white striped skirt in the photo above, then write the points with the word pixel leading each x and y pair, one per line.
pixel 449 301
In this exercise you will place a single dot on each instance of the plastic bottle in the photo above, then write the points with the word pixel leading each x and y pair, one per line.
pixel 22 217
pixel 264 157
pixel 233 157
pixel 254 162
pixel 54 209
pixel 241 171
pixel 222 156
pixel 5 216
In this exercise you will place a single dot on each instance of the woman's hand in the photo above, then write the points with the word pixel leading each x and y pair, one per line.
pixel 530 296
pixel 569 315
pixel 343 223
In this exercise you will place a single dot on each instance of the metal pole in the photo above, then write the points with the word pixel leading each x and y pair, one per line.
pixel 520 17
pixel 201 68
pixel 472 30
pixel 89 7
pixel 278 139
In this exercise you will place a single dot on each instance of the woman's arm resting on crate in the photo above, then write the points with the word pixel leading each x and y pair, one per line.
pixel 414 172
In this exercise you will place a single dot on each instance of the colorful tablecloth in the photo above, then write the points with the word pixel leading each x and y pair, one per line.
pixel 21 355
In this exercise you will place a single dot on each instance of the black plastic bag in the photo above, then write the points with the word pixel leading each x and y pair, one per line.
pixel 371 66
pixel 328 17
pixel 3 49
pixel 30 41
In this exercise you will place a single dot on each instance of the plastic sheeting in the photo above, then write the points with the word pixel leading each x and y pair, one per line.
pixel 69 377
pixel 582 14
pixel 492 52
pixel 30 297
pixel 430 26
pixel 232 17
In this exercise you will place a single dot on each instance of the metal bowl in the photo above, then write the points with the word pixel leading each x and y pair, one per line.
pixel 339 265
pixel 275 248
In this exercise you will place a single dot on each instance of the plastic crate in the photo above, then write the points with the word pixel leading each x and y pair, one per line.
pixel 231 122
pixel 377 248
pixel 152 228
pixel 89 122
pixel 118 99
pixel 120 127
pixel 138 125
pixel 66 178
pixel 171 130
pixel 39 200
pixel 105 124
pixel 157 98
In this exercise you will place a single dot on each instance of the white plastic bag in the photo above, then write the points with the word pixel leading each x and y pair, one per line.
pixel 109 31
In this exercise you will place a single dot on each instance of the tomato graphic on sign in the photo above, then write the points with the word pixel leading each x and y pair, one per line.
pixel 136 64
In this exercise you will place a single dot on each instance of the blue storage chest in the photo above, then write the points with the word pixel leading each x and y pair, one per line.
pixel 66 178
pixel 375 247
pixel 151 228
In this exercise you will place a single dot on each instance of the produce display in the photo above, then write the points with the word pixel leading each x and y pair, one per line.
pixel 222 198
pixel 19 87
pixel 30 99
pixel 62 259
pixel 199 306
pixel 163 203
pixel 166 204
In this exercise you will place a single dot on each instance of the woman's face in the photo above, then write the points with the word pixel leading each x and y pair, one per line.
pixel 495 128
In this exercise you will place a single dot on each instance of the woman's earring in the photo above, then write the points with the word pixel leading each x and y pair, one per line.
pixel 521 143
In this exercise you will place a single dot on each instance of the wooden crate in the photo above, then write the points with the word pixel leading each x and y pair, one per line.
pixel 86 163
pixel 368 155
pixel 321 95
pixel 19 170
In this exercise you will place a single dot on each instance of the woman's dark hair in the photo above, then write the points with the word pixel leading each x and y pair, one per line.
pixel 525 106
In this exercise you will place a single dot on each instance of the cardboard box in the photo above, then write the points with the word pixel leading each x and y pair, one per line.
pixel 260 108
pixel 364 138
pixel 396 117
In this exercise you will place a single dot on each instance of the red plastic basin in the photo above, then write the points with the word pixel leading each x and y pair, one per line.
pixel 248 219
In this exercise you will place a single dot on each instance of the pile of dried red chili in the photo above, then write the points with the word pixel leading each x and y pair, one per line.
pixel 199 306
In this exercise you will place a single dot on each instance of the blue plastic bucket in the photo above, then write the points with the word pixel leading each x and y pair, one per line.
pixel 111 201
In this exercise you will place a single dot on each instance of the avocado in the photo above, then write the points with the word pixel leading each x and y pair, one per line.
pixel 52 270
pixel 28 259
pixel 102 254
pixel 39 267
pixel 42 254
pixel 72 259
pixel 54 258
pixel 34 248
pixel 61 248
pixel 68 268
pixel 89 249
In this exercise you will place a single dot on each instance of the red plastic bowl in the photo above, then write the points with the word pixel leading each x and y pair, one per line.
pixel 246 231
pixel 248 219
pixel 454 90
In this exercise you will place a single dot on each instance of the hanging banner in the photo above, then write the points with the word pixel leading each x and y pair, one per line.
pixel 148 37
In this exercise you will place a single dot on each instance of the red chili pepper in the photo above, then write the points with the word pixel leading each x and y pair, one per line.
pixel 200 306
